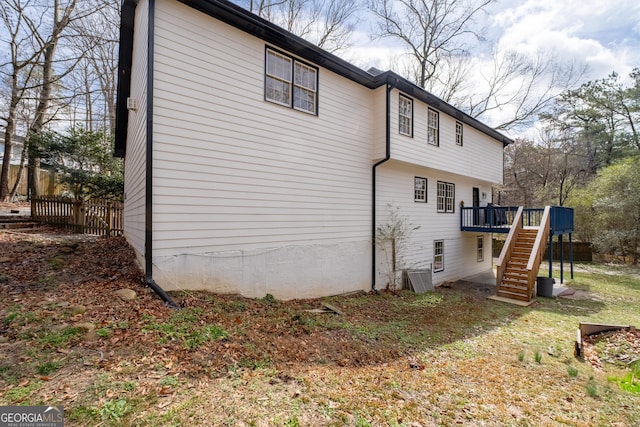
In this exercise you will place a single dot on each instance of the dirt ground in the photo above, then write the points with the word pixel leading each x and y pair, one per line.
pixel 69 336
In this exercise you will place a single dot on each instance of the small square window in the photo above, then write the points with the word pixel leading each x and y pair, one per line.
pixel 459 134
pixel 480 248
pixel 438 256
pixel 433 120
pixel 420 189
pixel 405 119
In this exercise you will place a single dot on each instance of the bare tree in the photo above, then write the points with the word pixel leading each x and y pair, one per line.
pixel 326 23
pixel 522 86
pixel 430 30
pixel 19 71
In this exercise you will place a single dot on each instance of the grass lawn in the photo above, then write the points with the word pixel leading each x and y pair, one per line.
pixel 451 357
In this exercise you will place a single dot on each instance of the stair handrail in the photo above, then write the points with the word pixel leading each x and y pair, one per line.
pixel 505 254
pixel 535 259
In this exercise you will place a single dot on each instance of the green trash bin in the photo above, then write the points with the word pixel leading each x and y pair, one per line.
pixel 544 286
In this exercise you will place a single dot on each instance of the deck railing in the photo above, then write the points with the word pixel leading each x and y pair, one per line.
pixel 498 219
pixel 507 249
pixel 101 217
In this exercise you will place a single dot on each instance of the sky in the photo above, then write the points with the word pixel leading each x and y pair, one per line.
pixel 603 35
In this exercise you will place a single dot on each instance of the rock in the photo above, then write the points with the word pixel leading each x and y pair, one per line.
pixel 74 310
pixel 3 339
pixel 67 250
pixel 87 326
pixel 126 294
pixel 90 329
pixel 5 260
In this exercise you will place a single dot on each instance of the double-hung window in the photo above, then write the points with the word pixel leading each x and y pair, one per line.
pixel 480 248
pixel 290 82
pixel 459 134
pixel 446 197
pixel 438 255
pixel 433 120
pixel 405 119
pixel 420 189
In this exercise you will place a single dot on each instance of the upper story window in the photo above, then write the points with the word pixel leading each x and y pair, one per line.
pixel 433 120
pixel 459 134
pixel 420 189
pixel 446 197
pixel 405 111
pixel 290 82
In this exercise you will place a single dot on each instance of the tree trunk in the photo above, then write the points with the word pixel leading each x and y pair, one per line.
pixel 8 138
pixel 23 159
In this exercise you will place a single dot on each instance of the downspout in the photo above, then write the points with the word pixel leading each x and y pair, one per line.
pixel 148 212
pixel 391 84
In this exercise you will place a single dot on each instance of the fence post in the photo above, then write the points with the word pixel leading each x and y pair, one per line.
pixel 109 219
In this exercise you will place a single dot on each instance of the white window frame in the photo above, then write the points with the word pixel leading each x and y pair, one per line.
pixel 433 125
pixel 480 248
pixel 438 255
pixel 459 134
pixel 446 197
pixel 405 116
pixel 420 189
pixel 300 92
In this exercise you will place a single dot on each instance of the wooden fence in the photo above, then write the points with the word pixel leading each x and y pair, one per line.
pixel 101 217
pixel 47 180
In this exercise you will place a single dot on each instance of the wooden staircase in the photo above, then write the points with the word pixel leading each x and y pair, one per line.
pixel 515 282
pixel 519 262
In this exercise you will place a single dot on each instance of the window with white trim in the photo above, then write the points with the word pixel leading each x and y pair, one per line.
pixel 405 119
pixel 290 82
pixel 459 134
pixel 480 248
pixel 433 119
pixel 420 189
pixel 446 197
pixel 438 255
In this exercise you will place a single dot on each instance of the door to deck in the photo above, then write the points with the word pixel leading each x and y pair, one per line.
pixel 476 204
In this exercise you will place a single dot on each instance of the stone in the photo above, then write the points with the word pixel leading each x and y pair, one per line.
pixel 126 294
pixel 3 339
pixel 87 326
pixel 5 260
pixel 74 310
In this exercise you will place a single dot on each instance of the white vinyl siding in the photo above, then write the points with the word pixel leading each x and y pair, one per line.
pixel 135 161
pixel 405 116
pixel 481 158
pixel 255 185
pixel 395 187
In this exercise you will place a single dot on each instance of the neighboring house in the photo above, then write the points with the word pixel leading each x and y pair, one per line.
pixel 257 163
pixel 17 144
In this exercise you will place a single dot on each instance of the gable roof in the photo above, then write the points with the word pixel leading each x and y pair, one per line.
pixel 250 23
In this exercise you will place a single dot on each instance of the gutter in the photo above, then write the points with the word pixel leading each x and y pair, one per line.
pixel 391 84
pixel 148 211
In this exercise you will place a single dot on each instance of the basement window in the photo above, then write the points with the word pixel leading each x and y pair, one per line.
pixel 480 248
pixel 290 82
pixel 438 255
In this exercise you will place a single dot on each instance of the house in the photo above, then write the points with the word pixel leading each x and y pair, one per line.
pixel 257 163
pixel 17 144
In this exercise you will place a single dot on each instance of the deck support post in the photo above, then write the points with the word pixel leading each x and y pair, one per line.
pixel 571 254
pixel 560 243
pixel 550 255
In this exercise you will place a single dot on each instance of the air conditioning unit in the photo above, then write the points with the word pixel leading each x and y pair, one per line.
pixel 132 104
